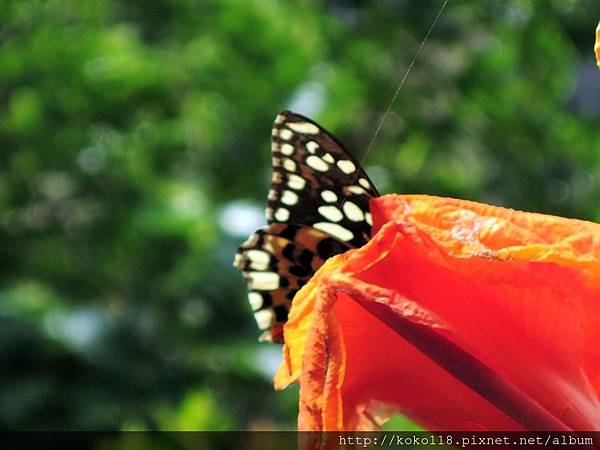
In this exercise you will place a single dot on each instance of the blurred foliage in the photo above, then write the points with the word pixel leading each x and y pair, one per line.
pixel 133 135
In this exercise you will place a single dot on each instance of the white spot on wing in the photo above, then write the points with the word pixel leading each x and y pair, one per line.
pixel 285 134
pixel 330 212
pixel 346 166
pixel 312 146
pixel 335 230
pixel 264 318
pixel 353 212
pixel 357 190
pixel 263 281
pixel 282 215
pixel 256 300
pixel 304 127
pixel 276 177
pixel 327 157
pixel 259 259
pixel 364 183
pixel 369 218
pixel 317 163
pixel 279 118
pixel 329 196
pixel 289 165
pixel 287 149
pixel 296 182
pixel 258 255
pixel 238 260
pixel 289 198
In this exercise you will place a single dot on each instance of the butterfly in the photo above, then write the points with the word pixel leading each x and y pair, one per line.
pixel 318 206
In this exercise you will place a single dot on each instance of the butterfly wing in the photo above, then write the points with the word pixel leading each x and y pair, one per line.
pixel 318 206
pixel 277 261
pixel 317 183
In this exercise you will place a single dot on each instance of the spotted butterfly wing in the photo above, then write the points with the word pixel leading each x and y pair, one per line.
pixel 318 206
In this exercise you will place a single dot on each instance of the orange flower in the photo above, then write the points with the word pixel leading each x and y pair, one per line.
pixel 459 315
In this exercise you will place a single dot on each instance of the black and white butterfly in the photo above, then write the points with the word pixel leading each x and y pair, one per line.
pixel 318 206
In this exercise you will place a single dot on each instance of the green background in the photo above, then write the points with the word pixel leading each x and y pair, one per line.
pixel 134 159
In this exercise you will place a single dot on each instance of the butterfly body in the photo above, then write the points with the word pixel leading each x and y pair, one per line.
pixel 318 206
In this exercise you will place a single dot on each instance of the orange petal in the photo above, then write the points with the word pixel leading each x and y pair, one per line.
pixel 438 264
pixel 506 234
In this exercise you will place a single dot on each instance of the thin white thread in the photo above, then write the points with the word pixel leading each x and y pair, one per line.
pixel 412 63
pixel 389 108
